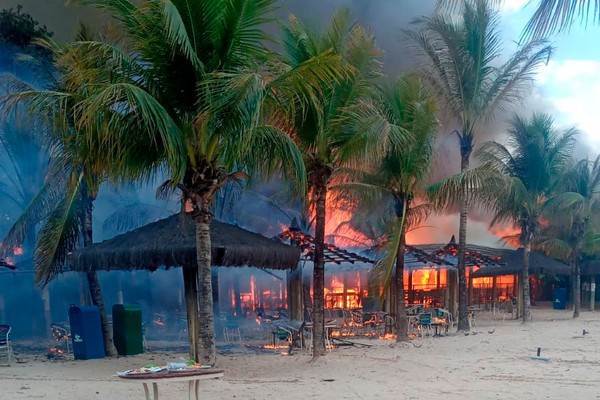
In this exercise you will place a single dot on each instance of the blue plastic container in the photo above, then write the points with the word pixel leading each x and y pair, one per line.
pixel 560 299
pixel 86 332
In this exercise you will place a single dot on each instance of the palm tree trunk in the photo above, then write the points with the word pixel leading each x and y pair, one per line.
pixel 525 278
pixel 401 320
pixel 318 315
pixel 576 286
pixel 93 281
pixel 206 346
pixel 463 319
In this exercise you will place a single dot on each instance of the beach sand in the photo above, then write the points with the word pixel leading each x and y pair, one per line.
pixel 496 365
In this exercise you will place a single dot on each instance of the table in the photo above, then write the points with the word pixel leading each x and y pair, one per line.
pixel 328 327
pixel 192 377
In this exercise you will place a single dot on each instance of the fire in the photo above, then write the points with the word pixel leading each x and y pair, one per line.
pixel 18 251
pixel 388 336
pixel 508 233
pixel 274 346
pixel 342 236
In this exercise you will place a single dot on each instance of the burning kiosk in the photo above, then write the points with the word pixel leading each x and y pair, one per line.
pixel 344 289
pixel 171 242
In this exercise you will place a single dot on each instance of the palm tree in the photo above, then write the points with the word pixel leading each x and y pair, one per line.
pixel 400 176
pixel 340 128
pixel 550 15
pixel 579 200
pixel 534 158
pixel 465 75
pixel 192 91
pixel 64 203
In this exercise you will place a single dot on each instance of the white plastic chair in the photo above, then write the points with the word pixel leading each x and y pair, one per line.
pixel 5 345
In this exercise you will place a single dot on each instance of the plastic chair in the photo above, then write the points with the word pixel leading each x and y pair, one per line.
pixel 425 324
pixel 5 345
pixel 61 333
pixel 231 331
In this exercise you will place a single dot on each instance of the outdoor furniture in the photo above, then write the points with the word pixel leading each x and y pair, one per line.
pixel 308 336
pixel 231 331
pixel 60 333
pixel 471 316
pixel 425 324
pixel 5 346
pixel 192 377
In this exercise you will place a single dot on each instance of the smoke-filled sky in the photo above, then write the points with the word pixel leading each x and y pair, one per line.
pixel 568 87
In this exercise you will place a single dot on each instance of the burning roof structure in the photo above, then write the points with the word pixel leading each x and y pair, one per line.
pixel 415 258
pixel 306 243
pixel 171 242
pixel 476 256
pixel 512 264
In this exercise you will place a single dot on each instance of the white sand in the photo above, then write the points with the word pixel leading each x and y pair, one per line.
pixel 484 366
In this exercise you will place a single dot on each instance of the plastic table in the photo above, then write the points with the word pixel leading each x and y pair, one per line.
pixel 192 377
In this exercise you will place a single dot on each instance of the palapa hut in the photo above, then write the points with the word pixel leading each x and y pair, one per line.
pixel 171 242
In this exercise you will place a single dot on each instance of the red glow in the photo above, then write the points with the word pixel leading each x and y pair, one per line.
pixel 18 251
pixel 508 233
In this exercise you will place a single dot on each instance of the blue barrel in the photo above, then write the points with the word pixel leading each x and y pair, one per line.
pixel 560 299
pixel 86 332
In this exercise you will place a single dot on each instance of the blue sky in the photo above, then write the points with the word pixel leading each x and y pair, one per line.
pixel 569 86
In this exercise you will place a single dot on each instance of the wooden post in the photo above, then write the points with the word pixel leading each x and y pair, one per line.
pixel 214 278
pixel 494 292
pixel 294 289
pixel 306 298
pixel 452 282
pixel 190 283
pixel 237 294
pixel 411 293
pixel 345 293
pixel 470 299
pixel 592 292
pixel 2 309
pixel 520 299
pixel 47 311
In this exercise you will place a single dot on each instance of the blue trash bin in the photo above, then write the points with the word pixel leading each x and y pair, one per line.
pixel 560 299
pixel 86 332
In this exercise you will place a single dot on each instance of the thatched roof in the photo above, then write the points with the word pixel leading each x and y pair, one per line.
pixel 171 242
pixel 511 263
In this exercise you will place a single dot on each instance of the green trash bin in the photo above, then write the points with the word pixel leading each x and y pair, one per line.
pixel 127 329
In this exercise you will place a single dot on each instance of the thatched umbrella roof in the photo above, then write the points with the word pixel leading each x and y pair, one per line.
pixel 511 263
pixel 171 242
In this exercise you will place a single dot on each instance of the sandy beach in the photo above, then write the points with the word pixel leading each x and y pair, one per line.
pixel 497 365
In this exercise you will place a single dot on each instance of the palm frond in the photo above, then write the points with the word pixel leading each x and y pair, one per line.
pixel 558 16
pixel 60 233
pixel 36 211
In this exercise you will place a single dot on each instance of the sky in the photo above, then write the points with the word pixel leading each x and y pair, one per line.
pixel 568 87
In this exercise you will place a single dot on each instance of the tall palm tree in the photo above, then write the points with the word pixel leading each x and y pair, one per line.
pixel 550 15
pixel 464 73
pixel 400 176
pixel 192 91
pixel 64 203
pixel 580 201
pixel 534 158
pixel 341 127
